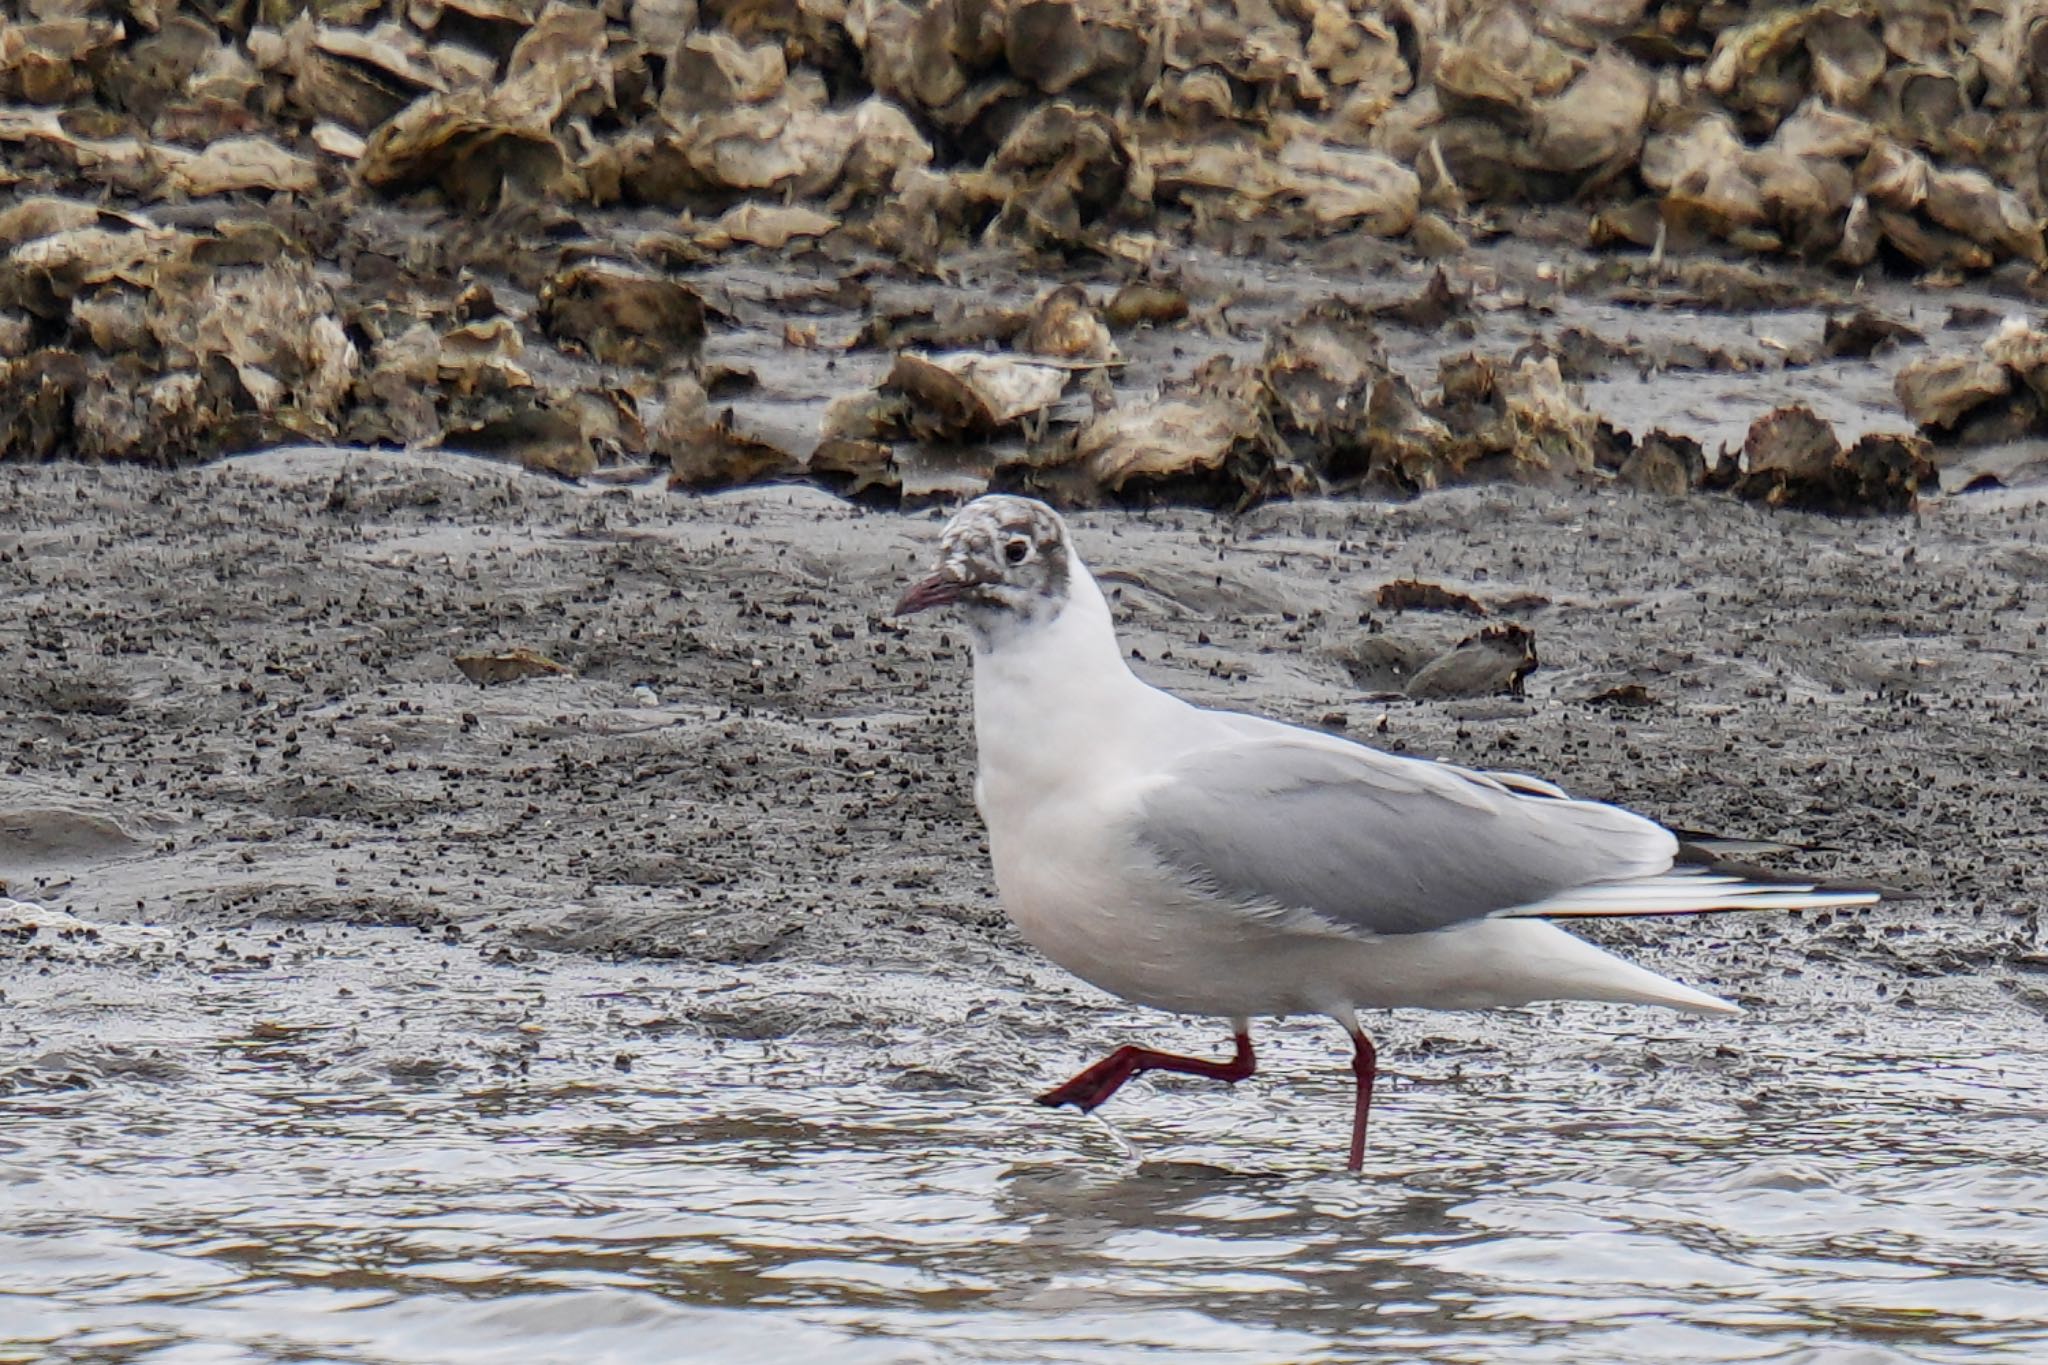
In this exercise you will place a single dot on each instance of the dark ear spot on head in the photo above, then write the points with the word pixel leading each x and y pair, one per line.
pixel 1010 557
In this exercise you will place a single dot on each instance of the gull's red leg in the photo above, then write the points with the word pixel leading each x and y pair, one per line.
pixel 1364 1065
pixel 1102 1080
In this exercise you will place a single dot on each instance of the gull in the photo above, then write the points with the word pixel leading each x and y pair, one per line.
pixel 1222 864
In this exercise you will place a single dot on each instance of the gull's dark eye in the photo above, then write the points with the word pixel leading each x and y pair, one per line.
pixel 1017 551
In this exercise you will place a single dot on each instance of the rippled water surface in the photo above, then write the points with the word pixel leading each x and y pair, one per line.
pixel 354 1152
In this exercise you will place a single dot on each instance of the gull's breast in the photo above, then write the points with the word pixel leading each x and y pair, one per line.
pixel 1081 892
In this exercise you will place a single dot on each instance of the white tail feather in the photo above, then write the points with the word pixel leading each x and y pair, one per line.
pixel 1686 892
pixel 1551 964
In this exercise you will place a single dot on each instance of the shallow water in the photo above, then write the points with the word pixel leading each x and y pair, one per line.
pixel 375 1146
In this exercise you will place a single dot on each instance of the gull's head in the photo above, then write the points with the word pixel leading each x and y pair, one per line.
pixel 1002 560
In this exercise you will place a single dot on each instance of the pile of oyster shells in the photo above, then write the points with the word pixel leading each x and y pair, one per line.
pixel 487 224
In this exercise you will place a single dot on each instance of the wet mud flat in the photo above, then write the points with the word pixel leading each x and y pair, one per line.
pixel 381 1015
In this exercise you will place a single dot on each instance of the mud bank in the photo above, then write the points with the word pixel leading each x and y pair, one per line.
pixel 355 943
pixel 236 699
pixel 236 692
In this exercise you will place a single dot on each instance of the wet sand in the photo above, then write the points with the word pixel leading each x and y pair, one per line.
pixel 669 1000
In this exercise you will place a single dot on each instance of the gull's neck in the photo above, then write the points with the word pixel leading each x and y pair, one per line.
pixel 1054 698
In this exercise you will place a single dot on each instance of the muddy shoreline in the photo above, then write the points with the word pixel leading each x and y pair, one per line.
pixel 719 895
pixel 238 702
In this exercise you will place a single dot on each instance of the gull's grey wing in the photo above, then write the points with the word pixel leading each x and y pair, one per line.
pixel 1286 821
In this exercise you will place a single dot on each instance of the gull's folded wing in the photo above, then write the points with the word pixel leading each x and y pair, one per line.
pixel 1286 821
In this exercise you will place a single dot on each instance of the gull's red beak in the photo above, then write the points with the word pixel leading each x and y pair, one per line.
pixel 938 590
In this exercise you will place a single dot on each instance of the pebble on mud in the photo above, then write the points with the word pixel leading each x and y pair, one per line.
pixel 1792 458
pixel 1150 444
pixel 623 317
pixel 964 394
pixel 1624 694
pixel 1492 663
pixel 1863 334
pixel 512 665
pixel 1142 303
pixel 1999 393
pixel 1409 594
pixel 1065 326
pixel 1664 464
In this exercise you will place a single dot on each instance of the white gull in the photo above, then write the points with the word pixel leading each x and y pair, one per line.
pixel 1215 863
